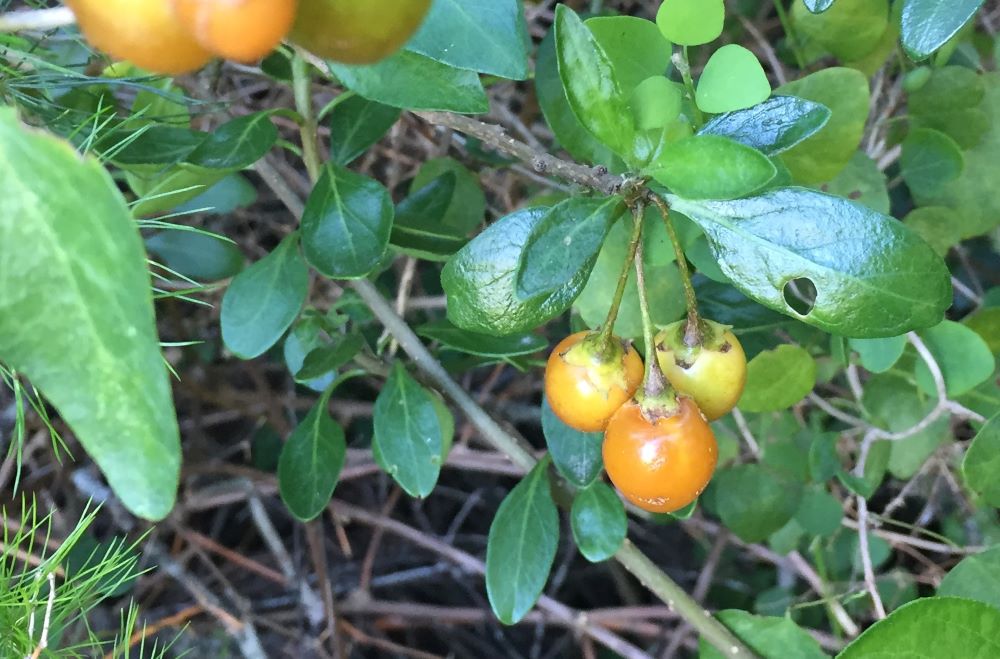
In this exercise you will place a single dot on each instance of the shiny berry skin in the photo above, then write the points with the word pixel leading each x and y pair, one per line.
pixel 660 466
pixel 144 32
pixel 357 31
pixel 241 30
pixel 585 385
pixel 713 373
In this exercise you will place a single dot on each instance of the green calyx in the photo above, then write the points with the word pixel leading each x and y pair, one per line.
pixel 675 338
pixel 604 359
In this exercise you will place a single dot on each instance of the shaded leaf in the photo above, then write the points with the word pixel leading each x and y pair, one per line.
pixel 576 455
pixel 310 463
pixel 599 522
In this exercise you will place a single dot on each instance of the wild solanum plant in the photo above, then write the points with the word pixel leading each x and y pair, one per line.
pixel 765 335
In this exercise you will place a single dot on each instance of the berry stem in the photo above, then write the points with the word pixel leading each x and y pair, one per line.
pixel 793 38
pixel 683 65
pixel 607 332
pixel 692 332
pixel 653 383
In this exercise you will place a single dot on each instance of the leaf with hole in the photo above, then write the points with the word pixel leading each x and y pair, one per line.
pixel 872 276
pixel 818 6
pixel 771 127
pixel 77 316
pixel 346 224
pixel 480 281
pixel 732 80
pixel 711 167
pixel 599 522
pixel 521 546
pixel 409 433
pixel 310 462
pixel 563 246
pixel 263 300
pixel 576 455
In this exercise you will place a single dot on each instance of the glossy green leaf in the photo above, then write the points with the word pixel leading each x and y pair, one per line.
pixel 929 24
pixel 691 22
pixel 418 229
pixel 236 144
pixel 976 577
pixel 409 434
pixel 576 455
pixel 777 379
pixel 197 255
pixel 860 181
pixel 771 127
pixel 76 313
pixel 873 277
pixel 480 281
pixel 310 462
pixel 592 89
pixel 569 132
pixel 635 47
pixel 482 345
pixel 973 195
pixel 481 35
pixel 982 462
pixel 711 167
pixel 263 300
pixel 930 628
pixel 355 125
pixel 599 522
pixel 563 246
pixel 663 288
pixel 327 359
pixel 732 80
pixel 467 207
pixel 412 81
pixel 655 102
pixel 963 356
pixel 822 156
pixel 770 638
pixel 522 544
pixel 346 224
pixel 305 337
pixel 817 6
pixel 754 502
pixel 930 159
pixel 849 30
pixel 879 355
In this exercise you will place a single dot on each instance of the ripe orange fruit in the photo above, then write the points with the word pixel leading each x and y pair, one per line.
pixel 585 385
pixel 357 31
pixel 144 32
pixel 661 465
pixel 241 30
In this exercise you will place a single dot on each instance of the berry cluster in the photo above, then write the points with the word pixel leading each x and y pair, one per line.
pixel 659 450
pixel 178 36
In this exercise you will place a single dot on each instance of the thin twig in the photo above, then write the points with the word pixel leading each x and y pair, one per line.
pixel 36 20
pixel 43 639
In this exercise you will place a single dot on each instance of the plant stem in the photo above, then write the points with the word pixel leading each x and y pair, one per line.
pixel 302 88
pixel 692 332
pixel 36 19
pixel 663 587
pixel 609 325
pixel 683 65
pixel 793 39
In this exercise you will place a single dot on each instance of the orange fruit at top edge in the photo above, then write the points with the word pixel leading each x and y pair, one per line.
pixel 241 30
pixel 357 31
pixel 144 32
